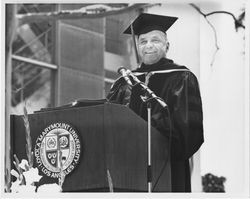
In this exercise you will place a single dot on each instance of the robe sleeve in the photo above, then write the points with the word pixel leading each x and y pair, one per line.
pixel 184 119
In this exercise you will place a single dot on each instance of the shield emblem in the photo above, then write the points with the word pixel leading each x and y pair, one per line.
pixel 64 146
pixel 64 141
pixel 52 157
pixel 51 144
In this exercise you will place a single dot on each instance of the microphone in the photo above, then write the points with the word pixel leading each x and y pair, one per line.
pixel 149 92
pixel 123 72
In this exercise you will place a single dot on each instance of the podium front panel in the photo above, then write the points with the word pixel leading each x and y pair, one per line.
pixel 113 138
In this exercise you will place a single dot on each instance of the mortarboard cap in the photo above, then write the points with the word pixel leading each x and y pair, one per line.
pixel 147 22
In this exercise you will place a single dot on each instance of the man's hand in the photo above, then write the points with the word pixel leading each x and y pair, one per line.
pixel 127 94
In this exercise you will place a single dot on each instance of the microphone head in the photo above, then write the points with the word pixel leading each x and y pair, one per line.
pixel 121 70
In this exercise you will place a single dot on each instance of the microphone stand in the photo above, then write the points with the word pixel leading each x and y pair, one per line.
pixel 149 169
pixel 149 96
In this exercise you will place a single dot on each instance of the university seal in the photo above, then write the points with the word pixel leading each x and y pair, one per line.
pixel 57 149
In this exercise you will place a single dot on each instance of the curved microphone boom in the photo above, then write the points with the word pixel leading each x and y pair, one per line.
pixel 126 73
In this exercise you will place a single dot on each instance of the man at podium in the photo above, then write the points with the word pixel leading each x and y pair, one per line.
pixel 181 120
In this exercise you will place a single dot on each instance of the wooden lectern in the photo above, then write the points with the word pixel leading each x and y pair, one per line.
pixel 113 138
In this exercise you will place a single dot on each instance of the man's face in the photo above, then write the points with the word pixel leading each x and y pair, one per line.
pixel 152 46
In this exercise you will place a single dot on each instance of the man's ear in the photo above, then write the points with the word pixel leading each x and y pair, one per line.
pixel 167 46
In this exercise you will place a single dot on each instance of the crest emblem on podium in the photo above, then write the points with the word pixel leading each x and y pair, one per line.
pixel 57 149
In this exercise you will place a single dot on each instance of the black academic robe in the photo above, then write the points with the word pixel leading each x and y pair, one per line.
pixel 182 123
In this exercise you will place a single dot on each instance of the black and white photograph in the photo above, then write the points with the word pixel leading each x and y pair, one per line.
pixel 125 99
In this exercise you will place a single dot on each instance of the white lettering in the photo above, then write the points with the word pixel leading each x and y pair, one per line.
pixel 46 171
